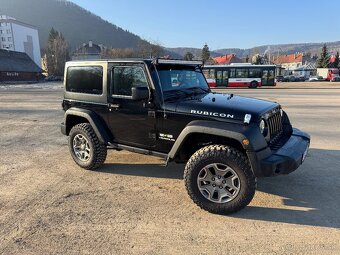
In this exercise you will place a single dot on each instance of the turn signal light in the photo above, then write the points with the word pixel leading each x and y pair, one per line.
pixel 245 142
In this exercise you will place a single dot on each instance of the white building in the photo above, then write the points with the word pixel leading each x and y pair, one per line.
pixel 18 36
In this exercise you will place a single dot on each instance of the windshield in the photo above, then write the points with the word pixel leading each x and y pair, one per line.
pixel 179 78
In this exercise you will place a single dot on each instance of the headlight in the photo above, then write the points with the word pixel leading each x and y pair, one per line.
pixel 262 126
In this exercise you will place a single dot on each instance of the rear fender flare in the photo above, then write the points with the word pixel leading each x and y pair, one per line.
pixel 94 120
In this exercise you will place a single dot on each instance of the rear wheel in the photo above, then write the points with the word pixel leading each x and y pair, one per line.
pixel 219 179
pixel 86 149
pixel 253 85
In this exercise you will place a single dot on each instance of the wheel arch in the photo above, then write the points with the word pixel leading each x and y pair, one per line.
pixel 74 116
pixel 196 140
pixel 234 133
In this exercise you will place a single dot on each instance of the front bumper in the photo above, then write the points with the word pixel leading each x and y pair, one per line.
pixel 286 159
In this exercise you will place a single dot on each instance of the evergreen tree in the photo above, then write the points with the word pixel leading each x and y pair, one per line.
pixel 323 61
pixel 57 53
pixel 205 53
pixel 188 56
pixel 336 63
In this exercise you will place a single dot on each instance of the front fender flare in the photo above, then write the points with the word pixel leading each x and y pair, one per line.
pixel 235 131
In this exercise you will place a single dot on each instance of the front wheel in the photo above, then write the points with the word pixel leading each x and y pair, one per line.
pixel 86 149
pixel 219 179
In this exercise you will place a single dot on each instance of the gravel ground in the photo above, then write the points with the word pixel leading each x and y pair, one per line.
pixel 134 205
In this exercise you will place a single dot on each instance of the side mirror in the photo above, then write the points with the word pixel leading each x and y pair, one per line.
pixel 140 93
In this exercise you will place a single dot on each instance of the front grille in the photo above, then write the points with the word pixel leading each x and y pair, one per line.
pixel 274 124
pixel 275 128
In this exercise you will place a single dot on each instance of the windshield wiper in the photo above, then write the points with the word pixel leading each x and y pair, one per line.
pixel 195 88
pixel 175 93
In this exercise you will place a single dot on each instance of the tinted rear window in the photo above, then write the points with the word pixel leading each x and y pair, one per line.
pixel 85 79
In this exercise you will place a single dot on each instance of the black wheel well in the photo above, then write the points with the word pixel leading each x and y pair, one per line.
pixel 72 120
pixel 196 141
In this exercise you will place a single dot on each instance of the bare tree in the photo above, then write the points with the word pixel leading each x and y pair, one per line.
pixel 57 53
pixel 118 53
pixel 146 49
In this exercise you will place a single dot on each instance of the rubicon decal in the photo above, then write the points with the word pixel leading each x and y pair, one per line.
pixel 214 114
pixel 167 137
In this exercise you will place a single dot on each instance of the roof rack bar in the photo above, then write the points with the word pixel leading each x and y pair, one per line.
pixel 176 61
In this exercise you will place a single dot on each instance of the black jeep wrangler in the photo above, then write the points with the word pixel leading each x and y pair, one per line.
pixel 165 108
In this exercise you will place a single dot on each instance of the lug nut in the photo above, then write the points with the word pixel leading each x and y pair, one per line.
pixel 221 187
pixel 223 182
pixel 213 179
pixel 219 177
pixel 214 185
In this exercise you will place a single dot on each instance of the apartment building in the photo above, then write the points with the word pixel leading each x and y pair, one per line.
pixel 19 36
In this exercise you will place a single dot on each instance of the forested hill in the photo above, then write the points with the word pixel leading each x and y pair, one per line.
pixel 312 48
pixel 77 24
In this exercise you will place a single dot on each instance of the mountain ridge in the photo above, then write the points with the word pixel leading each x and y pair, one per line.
pixel 79 25
pixel 273 49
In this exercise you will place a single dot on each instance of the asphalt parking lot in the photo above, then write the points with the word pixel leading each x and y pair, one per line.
pixel 134 205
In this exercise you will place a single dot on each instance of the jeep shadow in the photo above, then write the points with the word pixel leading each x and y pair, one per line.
pixel 309 196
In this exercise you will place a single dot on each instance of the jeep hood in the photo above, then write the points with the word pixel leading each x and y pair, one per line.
pixel 224 106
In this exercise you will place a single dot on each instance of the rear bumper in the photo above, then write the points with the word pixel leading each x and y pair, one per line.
pixel 286 159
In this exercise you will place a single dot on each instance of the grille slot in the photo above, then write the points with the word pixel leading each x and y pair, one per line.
pixel 275 129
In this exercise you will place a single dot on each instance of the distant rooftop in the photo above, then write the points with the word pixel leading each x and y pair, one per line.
pixel 89 48
pixel 291 58
pixel 227 59
pixel 13 61
pixel 6 18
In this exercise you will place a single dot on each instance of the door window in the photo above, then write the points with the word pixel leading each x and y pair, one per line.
pixel 225 77
pixel 125 78
pixel 212 74
pixel 265 77
pixel 232 73
pixel 219 77
pixel 271 77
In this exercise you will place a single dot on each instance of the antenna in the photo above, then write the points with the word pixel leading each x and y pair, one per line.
pixel 154 62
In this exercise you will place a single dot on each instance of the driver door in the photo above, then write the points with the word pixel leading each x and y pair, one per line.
pixel 129 121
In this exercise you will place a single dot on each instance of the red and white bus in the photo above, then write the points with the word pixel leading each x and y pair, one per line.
pixel 240 75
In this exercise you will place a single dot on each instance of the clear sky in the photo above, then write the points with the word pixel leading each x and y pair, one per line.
pixel 223 23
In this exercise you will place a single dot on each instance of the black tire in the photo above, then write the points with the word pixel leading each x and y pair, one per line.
pixel 98 150
pixel 253 85
pixel 231 157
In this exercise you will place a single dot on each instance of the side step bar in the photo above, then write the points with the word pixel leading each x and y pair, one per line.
pixel 117 146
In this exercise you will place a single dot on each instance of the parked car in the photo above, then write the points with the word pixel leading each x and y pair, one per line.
pixel 300 78
pixel 280 78
pixel 335 78
pixel 292 78
pixel 286 79
pixel 315 78
pixel 54 78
